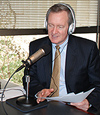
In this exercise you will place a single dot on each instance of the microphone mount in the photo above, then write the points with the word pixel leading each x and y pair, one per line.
pixel 25 64
pixel 26 101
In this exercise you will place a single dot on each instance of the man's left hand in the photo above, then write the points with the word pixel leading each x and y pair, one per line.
pixel 84 105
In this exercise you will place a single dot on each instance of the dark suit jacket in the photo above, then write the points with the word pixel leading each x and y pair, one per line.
pixel 82 70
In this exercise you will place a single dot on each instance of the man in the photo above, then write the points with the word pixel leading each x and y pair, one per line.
pixel 80 61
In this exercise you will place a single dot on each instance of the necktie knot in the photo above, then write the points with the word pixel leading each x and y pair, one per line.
pixel 57 47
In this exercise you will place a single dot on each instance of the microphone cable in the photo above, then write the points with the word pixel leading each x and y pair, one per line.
pixel 2 95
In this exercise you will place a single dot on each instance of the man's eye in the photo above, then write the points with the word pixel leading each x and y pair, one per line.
pixel 50 25
pixel 60 26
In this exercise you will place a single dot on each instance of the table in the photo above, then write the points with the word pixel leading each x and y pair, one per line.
pixel 52 108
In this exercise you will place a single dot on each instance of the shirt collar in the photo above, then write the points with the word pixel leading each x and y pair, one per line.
pixel 62 45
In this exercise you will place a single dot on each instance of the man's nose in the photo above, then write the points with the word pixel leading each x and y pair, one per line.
pixel 55 30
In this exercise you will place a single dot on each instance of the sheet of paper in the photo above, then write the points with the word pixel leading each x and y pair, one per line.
pixel 12 92
pixel 71 97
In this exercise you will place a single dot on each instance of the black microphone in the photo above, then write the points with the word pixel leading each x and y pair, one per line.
pixel 44 50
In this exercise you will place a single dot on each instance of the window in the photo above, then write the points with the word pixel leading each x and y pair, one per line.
pixel 27 17
pixel 28 14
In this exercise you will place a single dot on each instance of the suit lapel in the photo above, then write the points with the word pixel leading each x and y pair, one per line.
pixel 70 58
pixel 47 62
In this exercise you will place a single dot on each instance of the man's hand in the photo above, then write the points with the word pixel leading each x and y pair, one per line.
pixel 43 93
pixel 84 105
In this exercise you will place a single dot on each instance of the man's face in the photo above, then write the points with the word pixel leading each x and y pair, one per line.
pixel 58 27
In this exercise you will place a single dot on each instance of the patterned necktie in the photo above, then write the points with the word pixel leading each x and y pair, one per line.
pixel 56 73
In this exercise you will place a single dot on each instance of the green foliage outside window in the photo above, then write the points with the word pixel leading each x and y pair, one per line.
pixel 11 55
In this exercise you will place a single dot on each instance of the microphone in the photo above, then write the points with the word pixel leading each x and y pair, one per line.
pixel 44 50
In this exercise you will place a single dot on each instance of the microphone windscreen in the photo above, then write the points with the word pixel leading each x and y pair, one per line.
pixel 46 48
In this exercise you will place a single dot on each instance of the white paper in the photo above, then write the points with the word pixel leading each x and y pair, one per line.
pixel 12 92
pixel 71 97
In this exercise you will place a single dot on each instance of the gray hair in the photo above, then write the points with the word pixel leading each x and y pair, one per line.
pixel 58 8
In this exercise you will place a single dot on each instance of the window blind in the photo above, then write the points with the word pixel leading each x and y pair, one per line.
pixel 28 14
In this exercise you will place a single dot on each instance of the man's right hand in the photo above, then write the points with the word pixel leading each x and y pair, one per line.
pixel 43 93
